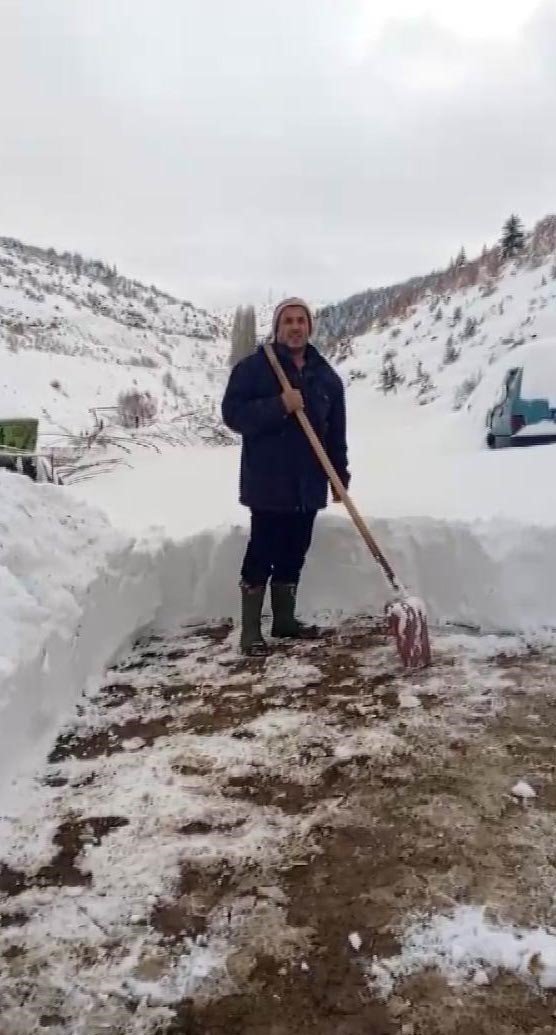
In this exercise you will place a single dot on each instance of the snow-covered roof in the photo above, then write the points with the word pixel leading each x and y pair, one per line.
pixel 539 370
pixel 15 418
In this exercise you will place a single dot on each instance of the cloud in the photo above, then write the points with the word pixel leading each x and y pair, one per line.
pixel 222 152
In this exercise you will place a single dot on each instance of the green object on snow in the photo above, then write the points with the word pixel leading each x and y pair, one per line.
pixel 19 434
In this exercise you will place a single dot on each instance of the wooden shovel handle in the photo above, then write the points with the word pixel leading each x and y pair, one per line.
pixel 335 480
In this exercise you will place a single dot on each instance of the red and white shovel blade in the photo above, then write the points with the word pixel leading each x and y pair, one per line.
pixel 407 621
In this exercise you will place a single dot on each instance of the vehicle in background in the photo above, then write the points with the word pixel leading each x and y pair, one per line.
pixel 524 412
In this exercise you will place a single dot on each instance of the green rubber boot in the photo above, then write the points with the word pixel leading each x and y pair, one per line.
pixel 285 625
pixel 252 643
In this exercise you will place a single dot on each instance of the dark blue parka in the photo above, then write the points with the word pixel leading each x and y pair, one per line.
pixel 279 470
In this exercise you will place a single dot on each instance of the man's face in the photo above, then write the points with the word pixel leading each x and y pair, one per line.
pixel 293 328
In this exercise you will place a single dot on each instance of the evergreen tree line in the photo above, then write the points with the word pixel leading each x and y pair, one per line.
pixel 375 308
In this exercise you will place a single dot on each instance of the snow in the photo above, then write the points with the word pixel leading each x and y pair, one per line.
pixel 515 311
pixel 407 700
pixel 539 370
pixel 73 591
pixel 467 946
pixel 543 428
pixel 173 548
pixel 137 865
pixel 179 492
pixel 159 542
pixel 524 791
pixel 71 341
pixel 439 472
pixel 479 570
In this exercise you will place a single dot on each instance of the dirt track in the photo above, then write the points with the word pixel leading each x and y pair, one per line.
pixel 210 832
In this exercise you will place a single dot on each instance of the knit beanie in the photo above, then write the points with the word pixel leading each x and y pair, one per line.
pixel 284 305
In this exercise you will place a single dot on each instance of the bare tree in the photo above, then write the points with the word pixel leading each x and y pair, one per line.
pixel 136 408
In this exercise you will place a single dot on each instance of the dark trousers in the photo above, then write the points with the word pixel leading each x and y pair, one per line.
pixel 277 547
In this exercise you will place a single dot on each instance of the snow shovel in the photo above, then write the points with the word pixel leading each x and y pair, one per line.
pixel 406 615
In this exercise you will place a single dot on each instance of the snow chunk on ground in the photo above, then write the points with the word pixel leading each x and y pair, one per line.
pixel 407 700
pixel 469 947
pixel 524 791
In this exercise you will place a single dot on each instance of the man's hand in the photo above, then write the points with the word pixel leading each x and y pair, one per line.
pixel 292 400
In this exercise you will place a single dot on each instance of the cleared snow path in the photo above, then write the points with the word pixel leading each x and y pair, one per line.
pixel 209 834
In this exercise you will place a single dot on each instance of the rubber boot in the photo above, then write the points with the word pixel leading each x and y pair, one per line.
pixel 285 625
pixel 252 643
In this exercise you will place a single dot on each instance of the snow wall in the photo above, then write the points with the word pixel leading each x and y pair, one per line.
pixel 74 592
pixel 497 577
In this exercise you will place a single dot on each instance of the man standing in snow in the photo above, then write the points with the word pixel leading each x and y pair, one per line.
pixel 281 479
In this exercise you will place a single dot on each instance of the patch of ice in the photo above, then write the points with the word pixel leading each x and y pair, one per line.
pixel 466 947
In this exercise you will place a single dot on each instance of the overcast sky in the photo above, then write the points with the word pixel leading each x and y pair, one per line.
pixel 226 149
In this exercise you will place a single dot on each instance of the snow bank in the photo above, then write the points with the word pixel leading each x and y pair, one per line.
pixel 72 592
pixel 498 576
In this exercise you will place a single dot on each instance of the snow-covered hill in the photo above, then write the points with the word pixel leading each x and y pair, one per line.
pixel 433 343
pixel 74 334
pixel 433 339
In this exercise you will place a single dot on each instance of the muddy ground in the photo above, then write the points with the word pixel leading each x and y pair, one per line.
pixel 209 832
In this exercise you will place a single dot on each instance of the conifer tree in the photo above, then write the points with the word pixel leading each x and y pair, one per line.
pixel 512 241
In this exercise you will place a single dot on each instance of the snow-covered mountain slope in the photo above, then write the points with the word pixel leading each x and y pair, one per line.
pixel 435 350
pixel 443 349
pixel 74 334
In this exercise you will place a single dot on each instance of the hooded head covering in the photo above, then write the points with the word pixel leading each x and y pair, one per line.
pixel 284 305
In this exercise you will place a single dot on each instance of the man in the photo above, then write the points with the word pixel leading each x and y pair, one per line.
pixel 281 481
